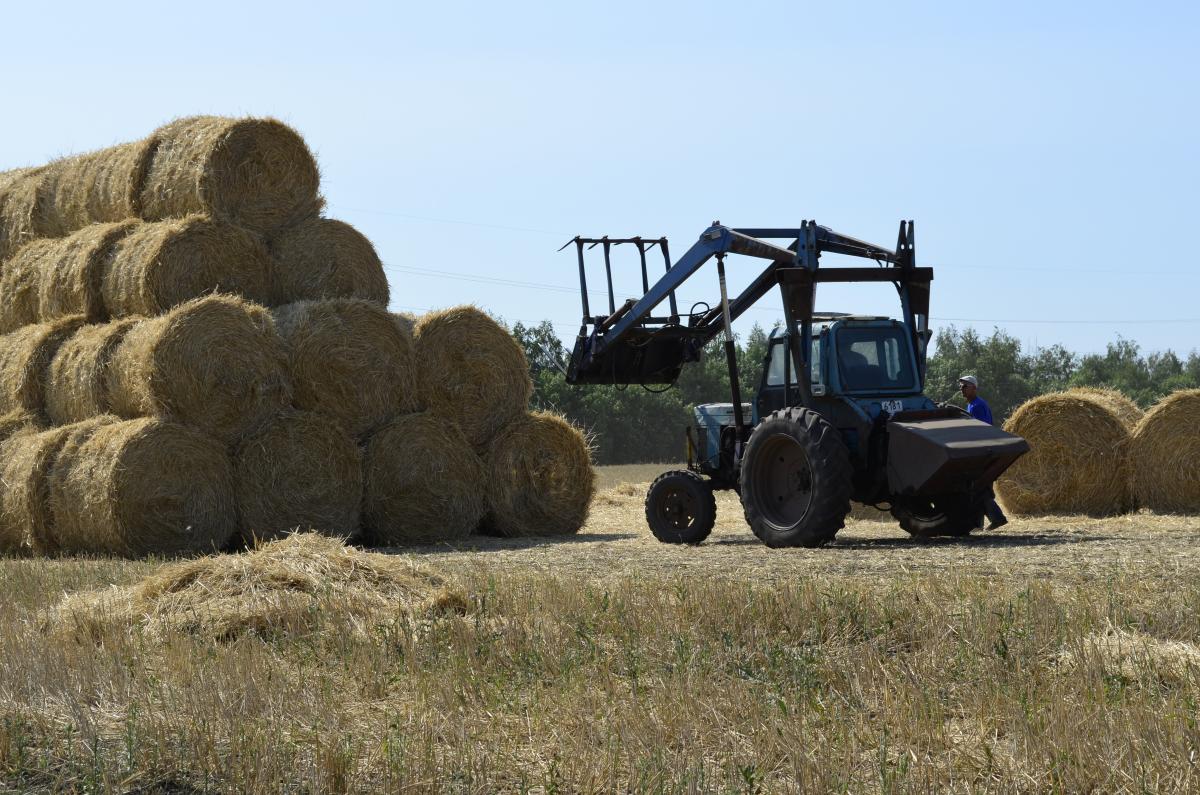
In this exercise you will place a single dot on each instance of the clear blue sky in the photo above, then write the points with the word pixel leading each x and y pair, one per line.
pixel 1048 152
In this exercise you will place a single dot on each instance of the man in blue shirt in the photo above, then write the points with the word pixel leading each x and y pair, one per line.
pixel 978 408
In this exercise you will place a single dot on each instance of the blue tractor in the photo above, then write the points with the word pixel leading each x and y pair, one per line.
pixel 840 413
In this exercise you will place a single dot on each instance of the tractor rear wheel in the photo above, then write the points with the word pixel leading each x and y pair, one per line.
pixel 796 480
pixel 680 508
pixel 948 515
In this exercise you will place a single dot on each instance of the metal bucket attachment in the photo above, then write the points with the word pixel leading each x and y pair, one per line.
pixel 948 456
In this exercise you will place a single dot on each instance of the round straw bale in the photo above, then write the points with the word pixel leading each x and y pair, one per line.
pixel 77 381
pixel 1165 454
pixel 140 487
pixel 349 360
pixel 25 355
pixel 96 187
pixel 1077 463
pixel 324 258
pixel 257 172
pixel 302 471
pixel 539 477
pixel 424 482
pixel 19 208
pixel 70 280
pixel 19 282
pixel 24 499
pixel 215 362
pixel 161 265
pixel 471 371
pixel 1126 410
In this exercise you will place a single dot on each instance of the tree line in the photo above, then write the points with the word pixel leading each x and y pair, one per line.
pixel 634 425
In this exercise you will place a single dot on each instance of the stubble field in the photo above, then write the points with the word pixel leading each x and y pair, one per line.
pixel 1056 654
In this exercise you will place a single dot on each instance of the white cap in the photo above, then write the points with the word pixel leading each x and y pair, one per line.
pixel 969 379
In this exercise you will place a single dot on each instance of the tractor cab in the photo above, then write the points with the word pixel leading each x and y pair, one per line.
pixel 864 360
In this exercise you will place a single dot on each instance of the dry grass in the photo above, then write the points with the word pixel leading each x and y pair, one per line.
pixel 608 662
pixel 279 588
pixel 325 258
pixel 1078 461
pixel 1165 454
pixel 256 172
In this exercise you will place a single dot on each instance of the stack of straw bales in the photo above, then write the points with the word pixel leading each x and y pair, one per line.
pixel 1094 452
pixel 191 356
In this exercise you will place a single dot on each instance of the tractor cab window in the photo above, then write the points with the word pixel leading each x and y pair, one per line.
pixel 874 359
pixel 776 369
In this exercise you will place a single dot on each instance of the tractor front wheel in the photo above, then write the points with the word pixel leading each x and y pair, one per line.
pixel 680 508
pixel 796 480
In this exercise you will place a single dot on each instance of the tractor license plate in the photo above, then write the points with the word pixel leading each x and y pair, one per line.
pixel 892 406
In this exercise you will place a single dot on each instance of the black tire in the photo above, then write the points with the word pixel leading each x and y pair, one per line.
pixel 949 515
pixel 796 480
pixel 680 508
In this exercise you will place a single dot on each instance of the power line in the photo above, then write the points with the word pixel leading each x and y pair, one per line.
pixel 574 291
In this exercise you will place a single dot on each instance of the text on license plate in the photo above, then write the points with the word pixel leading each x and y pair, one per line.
pixel 892 406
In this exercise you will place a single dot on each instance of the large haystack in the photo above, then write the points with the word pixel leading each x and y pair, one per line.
pixel 471 371
pixel 25 355
pixel 70 281
pixel 77 383
pixel 19 208
pixel 539 477
pixel 300 585
pixel 1077 463
pixel 424 482
pixel 142 487
pixel 1126 410
pixel 160 265
pixel 324 258
pixel 1165 455
pixel 96 187
pixel 215 363
pixel 256 172
pixel 300 472
pixel 349 360
pixel 25 513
